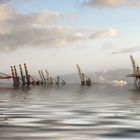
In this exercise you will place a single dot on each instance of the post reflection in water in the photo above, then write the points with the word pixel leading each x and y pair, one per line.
pixel 102 112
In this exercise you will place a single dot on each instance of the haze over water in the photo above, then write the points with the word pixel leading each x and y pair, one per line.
pixel 70 112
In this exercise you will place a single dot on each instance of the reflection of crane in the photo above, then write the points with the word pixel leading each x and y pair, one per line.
pixel 83 77
pixel 136 71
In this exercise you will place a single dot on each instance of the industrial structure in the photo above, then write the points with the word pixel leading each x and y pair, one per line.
pixel 25 79
pixel 136 71
pixel 85 80
pixel 48 80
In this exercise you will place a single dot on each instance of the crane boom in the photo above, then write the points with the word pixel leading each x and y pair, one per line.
pixel 40 76
pixel 134 66
pixel 81 75
pixel 48 78
pixel 79 71
pixel 43 76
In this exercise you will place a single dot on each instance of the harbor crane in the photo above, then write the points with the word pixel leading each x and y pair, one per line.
pixel 136 71
pixel 83 77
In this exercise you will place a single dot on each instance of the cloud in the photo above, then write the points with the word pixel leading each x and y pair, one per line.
pixel 128 50
pixel 103 3
pixel 4 1
pixel 104 33
pixel 110 3
pixel 135 4
pixel 41 29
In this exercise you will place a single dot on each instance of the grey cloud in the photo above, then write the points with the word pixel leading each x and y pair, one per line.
pixel 110 3
pixel 4 1
pixel 41 29
pixel 103 3
pixel 127 50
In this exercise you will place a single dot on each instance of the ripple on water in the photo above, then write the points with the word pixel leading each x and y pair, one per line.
pixel 99 113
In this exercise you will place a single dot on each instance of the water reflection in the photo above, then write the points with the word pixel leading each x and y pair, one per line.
pixel 71 112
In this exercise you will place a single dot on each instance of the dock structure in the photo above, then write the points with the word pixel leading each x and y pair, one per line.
pixel 136 71
pixel 85 80
pixel 50 81
pixel 25 79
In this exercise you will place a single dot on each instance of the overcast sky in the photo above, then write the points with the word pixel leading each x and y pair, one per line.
pixel 99 35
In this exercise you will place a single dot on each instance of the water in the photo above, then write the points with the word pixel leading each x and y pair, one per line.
pixel 70 112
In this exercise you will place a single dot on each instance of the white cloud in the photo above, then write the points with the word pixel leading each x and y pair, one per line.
pixel 104 33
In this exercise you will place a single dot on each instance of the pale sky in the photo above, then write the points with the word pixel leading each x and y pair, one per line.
pixel 98 35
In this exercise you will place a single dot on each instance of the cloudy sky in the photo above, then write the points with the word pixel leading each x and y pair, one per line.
pixel 99 35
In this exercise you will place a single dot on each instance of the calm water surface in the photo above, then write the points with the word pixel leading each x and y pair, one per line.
pixel 70 112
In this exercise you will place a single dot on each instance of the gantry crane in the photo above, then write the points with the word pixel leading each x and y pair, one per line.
pixel 48 77
pixel 136 71
pixel 41 77
pixel 59 81
pixel 83 77
pixel 44 79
